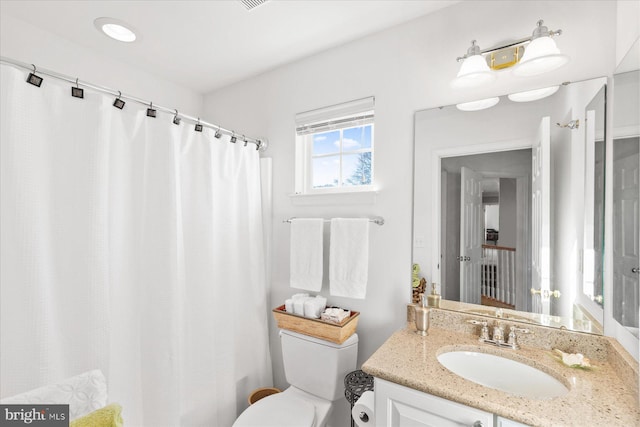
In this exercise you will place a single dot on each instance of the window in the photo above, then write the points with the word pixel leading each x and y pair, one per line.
pixel 334 148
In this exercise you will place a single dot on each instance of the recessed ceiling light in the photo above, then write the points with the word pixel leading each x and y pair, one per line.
pixel 478 105
pixel 533 95
pixel 116 29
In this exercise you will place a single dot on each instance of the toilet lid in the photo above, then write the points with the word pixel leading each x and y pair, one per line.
pixel 278 410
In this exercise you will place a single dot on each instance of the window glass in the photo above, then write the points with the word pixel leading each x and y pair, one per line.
pixel 326 171
pixel 357 138
pixel 356 169
pixel 326 142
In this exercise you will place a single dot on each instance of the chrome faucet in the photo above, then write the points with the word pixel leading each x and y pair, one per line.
pixel 498 334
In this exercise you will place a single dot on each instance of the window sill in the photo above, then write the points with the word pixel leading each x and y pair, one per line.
pixel 345 198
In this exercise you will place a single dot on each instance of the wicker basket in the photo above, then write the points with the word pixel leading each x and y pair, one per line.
pixel 260 393
pixel 334 332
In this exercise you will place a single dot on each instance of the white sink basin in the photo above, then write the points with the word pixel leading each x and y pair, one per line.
pixel 503 374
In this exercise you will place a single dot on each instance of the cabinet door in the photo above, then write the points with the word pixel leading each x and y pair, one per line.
pixel 398 406
pixel 503 422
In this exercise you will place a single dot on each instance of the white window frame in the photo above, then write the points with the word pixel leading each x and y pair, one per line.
pixel 337 117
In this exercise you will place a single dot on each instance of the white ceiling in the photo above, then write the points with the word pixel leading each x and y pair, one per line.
pixel 205 45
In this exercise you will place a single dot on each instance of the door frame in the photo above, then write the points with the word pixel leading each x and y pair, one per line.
pixel 436 167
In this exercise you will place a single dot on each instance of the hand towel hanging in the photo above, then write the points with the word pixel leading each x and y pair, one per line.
pixel 306 254
pixel 349 257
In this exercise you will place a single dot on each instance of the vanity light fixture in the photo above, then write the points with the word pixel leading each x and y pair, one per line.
pixel 481 104
pixel 533 95
pixel 115 29
pixel 474 70
pixel 542 55
pixel 528 56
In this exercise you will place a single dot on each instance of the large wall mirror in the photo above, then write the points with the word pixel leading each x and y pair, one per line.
pixel 626 191
pixel 509 206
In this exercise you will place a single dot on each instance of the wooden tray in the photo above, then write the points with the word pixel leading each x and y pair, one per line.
pixel 334 332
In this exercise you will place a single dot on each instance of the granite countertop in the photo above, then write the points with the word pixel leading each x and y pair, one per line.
pixel 599 396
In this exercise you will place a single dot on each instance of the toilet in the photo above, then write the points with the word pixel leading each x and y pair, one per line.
pixel 315 370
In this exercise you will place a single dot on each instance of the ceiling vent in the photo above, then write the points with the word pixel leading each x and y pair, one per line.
pixel 251 4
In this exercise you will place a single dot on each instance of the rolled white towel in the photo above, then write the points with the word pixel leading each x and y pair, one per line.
pixel 311 308
pixel 288 305
pixel 321 304
pixel 298 306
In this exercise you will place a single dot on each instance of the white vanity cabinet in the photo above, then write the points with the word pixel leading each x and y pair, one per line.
pixel 399 406
pixel 503 422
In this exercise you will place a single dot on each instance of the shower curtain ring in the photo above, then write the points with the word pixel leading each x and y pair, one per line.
pixel 233 137
pixel 34 68
pixel 244 138
pixel 150 111
pixel 76 92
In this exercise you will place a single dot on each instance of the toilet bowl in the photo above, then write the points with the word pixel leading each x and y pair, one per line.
pixel 315 369
pixel 291 408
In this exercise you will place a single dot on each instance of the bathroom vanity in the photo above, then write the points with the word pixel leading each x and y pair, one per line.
pixel 413 388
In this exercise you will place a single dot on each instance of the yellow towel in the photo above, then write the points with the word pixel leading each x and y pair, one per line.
pixel 109 416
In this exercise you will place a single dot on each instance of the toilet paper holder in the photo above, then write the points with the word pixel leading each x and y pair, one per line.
pixel 355 384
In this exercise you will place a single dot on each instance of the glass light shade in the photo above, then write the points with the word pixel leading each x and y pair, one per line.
pixel 119 32
pixel 533 95
pixel 474 71
pixel 481 104
pixel 541 56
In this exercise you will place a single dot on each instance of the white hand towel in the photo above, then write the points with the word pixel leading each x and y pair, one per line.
pixel 306 253
pixel 349 257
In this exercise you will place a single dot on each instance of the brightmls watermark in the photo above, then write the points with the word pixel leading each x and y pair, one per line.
pixel 34 415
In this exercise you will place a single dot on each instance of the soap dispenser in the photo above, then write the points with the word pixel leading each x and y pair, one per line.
pixel 422 316
pixel 433 299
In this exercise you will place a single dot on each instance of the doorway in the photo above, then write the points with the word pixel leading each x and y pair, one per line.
pixel 495 221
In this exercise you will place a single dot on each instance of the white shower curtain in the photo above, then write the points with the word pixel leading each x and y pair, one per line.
pixel 131 245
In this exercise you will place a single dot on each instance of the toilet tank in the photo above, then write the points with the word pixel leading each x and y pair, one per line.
pixel 318 366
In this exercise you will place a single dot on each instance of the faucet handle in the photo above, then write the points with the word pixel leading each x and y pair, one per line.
pixel 484 331
pixel 513 339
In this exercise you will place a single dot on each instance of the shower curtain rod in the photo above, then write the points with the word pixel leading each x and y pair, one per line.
pixel 260 144
pixel 376 220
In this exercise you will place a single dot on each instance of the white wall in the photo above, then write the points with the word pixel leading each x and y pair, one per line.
pixel 627 28
pixel 508 213
pixel 492 217
pixel 406 68
pixel 22 41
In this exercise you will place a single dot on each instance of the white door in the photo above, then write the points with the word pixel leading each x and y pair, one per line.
pixel 541 219
pixel 471 230
pixel 626 231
